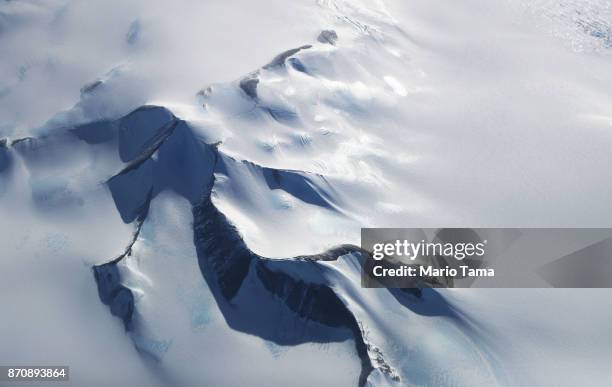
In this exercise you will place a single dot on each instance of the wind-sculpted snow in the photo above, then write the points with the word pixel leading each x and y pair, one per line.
pixel 309 188
pixel 248 84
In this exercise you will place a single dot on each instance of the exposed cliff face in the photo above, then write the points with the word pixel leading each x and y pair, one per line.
pixel 317 302
pixel 225 261
pixel 223 256
pixel 5 160
pixel 112 293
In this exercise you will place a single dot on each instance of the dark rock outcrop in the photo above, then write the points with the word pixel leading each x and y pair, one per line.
pixel 249 84
pixel 279 60
pixel 328 36
pixel 112 293
pixel 5 158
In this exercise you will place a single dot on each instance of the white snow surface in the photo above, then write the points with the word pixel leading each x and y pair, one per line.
pixel 461 114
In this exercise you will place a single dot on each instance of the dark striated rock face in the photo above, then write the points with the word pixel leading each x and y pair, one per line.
pixel 312 301
pixel 220 249
pixel 112 293
pixel 227 263
pixel 328 36
pixel 315 302
pixel 333 253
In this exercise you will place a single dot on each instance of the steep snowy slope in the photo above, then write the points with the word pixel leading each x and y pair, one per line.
pixel 182 188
